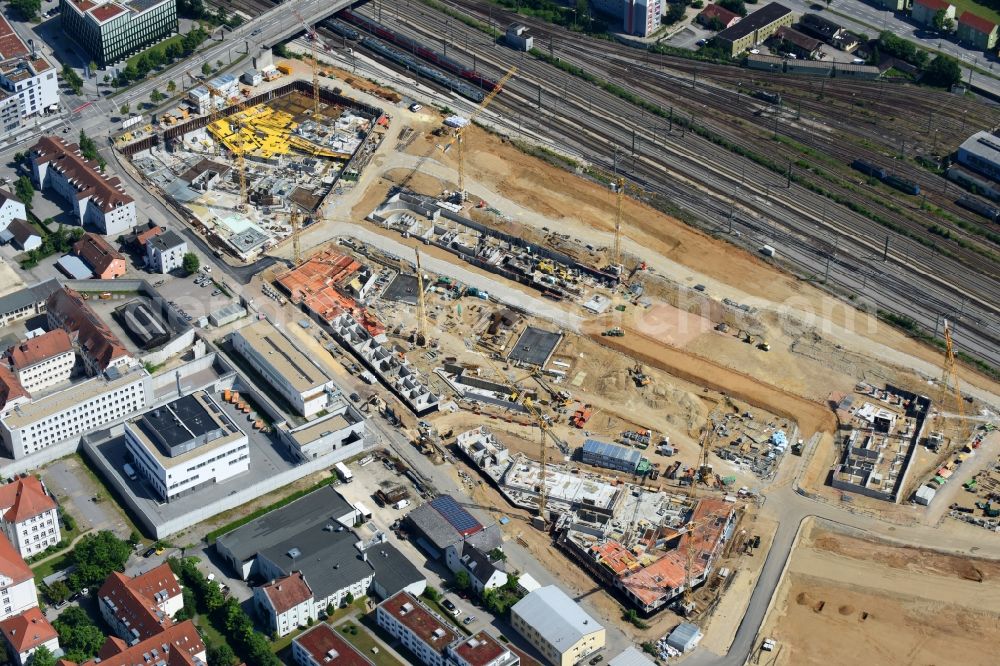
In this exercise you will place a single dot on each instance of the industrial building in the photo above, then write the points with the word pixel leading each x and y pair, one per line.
pixel 981 153
pixel 111 30
pixel 29 517
pixel 557 626
pixel 442 527
pixel 306 386
pixel 95 198
pixel 186 445
pixel 341 430
pixel 755 28
pixel 165 252
pixel 879 447
pixel 610 456
pixel 28 84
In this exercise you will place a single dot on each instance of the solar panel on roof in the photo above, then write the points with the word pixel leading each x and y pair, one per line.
pixel 457 517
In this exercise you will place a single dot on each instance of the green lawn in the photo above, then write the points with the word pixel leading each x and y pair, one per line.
pixel 364 642
pixel 162 46
pixel 976 8
pixel 210 633
pixel 49 567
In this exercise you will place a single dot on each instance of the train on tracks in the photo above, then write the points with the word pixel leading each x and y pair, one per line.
pixel 416 48
pixel 890 179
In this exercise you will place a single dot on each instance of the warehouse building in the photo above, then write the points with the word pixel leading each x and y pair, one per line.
pixel 610 456
pixel 755 28
pixel 302 382
pixel 106 262
pixel 557 626
pixel 111 31
pixel 981 152
pixel 95 198
pixel 185 445
pixel 442 527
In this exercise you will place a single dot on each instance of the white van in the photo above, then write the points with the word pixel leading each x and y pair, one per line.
pixel 401 504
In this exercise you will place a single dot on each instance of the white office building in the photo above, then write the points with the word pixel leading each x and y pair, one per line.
pixel 185 445
pixel 299 380
pixel 43 361
pixel 29 517
pixel 75 410
pixel 165 253
pixel 28 84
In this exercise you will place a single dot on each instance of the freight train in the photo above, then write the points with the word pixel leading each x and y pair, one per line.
pixel 890 179
pixel 991 213
pixel 416 48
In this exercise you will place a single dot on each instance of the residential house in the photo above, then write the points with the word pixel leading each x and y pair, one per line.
pixel 442 526
pixel 484 573
pixel 975 31
pixel 11 208
pixel 321 646
pixel 924 11
pixel 17 582
pixel 23 236
pixel 286 603
pixel 165 252
pixel 140 607
pixel 27 632
pixel 716 17
pixel 420 631
pixel 177 645
pixel 30 517
pixel 754 28
pixel 106 262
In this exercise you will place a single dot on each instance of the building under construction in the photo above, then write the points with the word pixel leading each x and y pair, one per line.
pixel 253 167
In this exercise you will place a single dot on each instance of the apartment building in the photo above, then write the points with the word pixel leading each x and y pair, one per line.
pixel 423 633
pixel 17 583
pixel 321 646
pixel 29 517
pixel 185 445
pixel 43 361
pixel 177 645
pixel 755 28
pixel 301 381
pixel 95 198
pixel 99 348
pixel 481 649
pixel 106 262
pixel 640 18
pixel 142 606
pixel 27 427
pixel 286 603
pixel 111 31
pixel 557 626
pixel 27 632
pixel 165 252
pixel 11 208
pixel 28 84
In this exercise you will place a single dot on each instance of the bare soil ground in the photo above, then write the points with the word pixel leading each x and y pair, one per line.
pixel 849 600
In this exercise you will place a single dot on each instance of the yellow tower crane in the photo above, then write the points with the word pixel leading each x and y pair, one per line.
pixel 421 311
pixel 616 252
pixel 296 221
pixel 949 381
pixel 312 37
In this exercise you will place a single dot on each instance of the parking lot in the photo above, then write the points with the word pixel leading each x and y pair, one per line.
pixel 194 296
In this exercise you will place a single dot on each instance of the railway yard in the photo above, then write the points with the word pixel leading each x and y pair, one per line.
pixel 652 340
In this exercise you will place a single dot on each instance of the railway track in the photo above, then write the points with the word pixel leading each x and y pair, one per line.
pixel 665 166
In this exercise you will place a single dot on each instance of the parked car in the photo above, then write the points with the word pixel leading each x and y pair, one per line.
pixel 469 620
pixel 149 551
pixel 450 606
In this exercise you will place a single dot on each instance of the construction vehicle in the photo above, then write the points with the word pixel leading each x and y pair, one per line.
pixel 764 345
pixel 615 332
pixel 639 376
pixel 559 398
pixel 745 336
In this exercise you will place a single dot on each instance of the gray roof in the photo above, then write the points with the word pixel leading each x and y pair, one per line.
pixel 487 539
pixel 684 635
pixel 632 656
pixel 327 558
pixel 984 145
pixel 317 508
pixel 28 296
pixel 751 23
pixel 433 526
pixel 559 620
pixel 393 572
pixel 74 267
pixel 479 563
pixel 594 447
pixel 167 240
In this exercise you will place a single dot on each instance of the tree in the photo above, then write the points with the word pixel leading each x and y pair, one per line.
pixel 348 599
pixel 206 69
pixel 79 637
pixel 42 656
pixel 735 6
pixel 143 65
pixel 87 147
pixel 222 655
pixel 58 592
pixel 174 51
pixel 171 86
pixel 191 263
pixel 96 556
pixel 675 13
pixel 72 79
pixel 943 72
pixel 431 594
pixel 92 67
pixel 28 9
pixel 462 579
pixel 24 190
pixel 156 96
pixel 942 22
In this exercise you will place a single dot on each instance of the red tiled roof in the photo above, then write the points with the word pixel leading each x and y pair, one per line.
pixel 799 39
pixel 182 638
pixel 94 338
pixel 40 348
pixel 288 592
pixel 98 253
pixel 89 182
pixel 322 639
pixel 615 557
pixel 134 599
pixel 713 10
pixel 480 649
pixel 977 23
pixel 153 232
pixel 27 630
pixel 10 387
pixel 411 614
pixel 936 5
pixel 23 499
pixel 11 564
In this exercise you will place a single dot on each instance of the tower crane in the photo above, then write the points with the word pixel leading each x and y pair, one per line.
pixel 312 36
pixel 949 380
pixel 616 252
pixel 296 222
pixel 457 136
pixel 421 311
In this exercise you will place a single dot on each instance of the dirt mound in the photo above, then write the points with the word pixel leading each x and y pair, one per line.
pixel 969 571
pixel 803 599
pixel 846 610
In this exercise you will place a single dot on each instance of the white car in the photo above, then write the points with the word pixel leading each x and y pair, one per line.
pixel 416 107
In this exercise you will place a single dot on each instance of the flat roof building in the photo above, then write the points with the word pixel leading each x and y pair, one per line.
pixel 557 626
pixel 610 456
pixel 28 84
pixel 981 152
pixel 755 28
pixel 186 445
pixel 93 197
pixel 422 632
pixel 481 649
pixel 306 386
pixel 110 31
pixel 321 646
